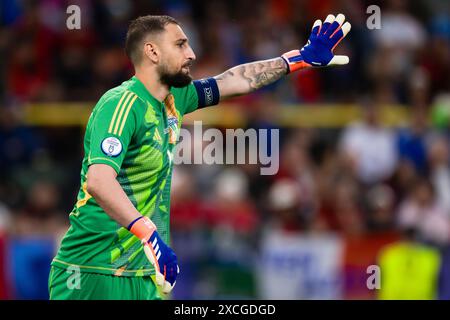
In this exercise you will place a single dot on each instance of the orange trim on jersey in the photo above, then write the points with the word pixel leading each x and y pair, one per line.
pixel 86 197
pixel 169 102
pixel 120 271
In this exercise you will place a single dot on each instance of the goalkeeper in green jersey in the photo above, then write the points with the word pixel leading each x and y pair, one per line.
pixel 117 246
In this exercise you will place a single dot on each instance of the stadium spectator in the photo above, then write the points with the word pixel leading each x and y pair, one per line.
pixel 410 270
pixel 421 211
pixel 19 143
pixel 285 206
pixel 412 140
pixel 369 148
pixel 438 158
pixel 381 212
pixel 230 206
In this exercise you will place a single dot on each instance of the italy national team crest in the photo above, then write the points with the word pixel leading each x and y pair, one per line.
pixel 173 128
pixel 172 119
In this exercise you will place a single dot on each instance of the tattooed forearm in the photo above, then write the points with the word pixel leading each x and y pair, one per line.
pixel 249 77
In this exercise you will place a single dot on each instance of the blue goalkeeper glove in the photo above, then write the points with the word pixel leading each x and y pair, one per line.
pixel 160 255
pixel 318 52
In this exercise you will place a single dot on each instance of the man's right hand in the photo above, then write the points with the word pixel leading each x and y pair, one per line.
pixel 158 253
pixel 319 51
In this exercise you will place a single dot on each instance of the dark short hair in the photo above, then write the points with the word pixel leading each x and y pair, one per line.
pixel 139 29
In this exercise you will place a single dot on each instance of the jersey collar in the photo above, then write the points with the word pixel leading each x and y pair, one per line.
pixel 146 94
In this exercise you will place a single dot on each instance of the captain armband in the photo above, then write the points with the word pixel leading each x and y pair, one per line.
pixel 207 92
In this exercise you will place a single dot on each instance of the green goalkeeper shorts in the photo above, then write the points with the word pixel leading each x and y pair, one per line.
pixel 66 285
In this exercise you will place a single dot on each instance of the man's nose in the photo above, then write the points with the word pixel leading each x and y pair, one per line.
pixel 191 54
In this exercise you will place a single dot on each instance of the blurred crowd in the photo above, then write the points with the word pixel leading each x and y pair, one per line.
pixel 367 183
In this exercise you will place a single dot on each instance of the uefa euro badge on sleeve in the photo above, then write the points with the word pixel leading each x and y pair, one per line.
pixel 111 146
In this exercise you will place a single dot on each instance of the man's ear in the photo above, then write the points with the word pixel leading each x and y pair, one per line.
pixel 152 52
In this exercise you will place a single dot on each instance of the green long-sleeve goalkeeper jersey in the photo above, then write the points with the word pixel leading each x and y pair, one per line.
pixel 135 134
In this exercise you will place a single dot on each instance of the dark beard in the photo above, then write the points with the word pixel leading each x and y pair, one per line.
pixel 176 80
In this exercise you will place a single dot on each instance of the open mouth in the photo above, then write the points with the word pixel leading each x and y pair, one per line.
pixel 187 66
pixel 186 69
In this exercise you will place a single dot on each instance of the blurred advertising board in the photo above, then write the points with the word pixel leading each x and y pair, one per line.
pixel 293 266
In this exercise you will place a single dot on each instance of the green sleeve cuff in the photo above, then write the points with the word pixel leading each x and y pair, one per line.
pixel 106 161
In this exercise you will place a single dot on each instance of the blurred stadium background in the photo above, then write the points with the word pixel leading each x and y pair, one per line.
pixel 364 173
